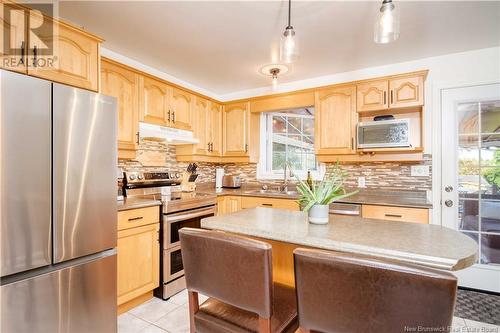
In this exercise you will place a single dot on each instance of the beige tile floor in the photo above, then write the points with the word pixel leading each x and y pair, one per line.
pixel 157 316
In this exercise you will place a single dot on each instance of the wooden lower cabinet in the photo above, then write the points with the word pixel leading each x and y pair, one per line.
pixel 392 213
pixel 138 258
pixel 251 202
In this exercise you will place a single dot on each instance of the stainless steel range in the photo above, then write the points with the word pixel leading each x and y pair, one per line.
pixel 179 210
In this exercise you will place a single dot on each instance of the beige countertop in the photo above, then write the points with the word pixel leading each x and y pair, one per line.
pixel 413 199
pixel 423 244
pixel 137 202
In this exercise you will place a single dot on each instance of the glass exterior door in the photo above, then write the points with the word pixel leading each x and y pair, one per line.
pixel 471 176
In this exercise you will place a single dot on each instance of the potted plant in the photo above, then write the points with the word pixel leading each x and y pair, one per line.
pixel 316 196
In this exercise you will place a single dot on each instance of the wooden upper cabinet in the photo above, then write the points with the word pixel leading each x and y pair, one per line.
pixel 181 109
pixel 236 120
pixel 372 96
pixel 214 129
pixel 74 55
pixel 406 91
pixel 154 101
pixel 335 120
pixel 200 125
pixel 13 51
pixel 123 83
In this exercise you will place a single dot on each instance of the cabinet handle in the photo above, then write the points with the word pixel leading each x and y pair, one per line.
pixel 211 146
pixel 173 116
pixel 352 143
pixel 393 215
pixel 267 204
pixel 137 136
pixel 208 144
pixel 135 218
pixel 34 55
pixel 169 115
pixel 392 97
pixel 246 148
pixel 385 97
pixel 22 53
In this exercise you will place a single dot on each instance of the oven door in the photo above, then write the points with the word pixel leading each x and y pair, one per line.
pixel 172 223
pixel 384 134
pixel 172 264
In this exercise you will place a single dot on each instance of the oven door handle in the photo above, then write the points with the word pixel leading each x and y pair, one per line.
pixel 190 214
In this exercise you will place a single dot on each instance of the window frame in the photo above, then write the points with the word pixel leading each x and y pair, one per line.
pixel 265 140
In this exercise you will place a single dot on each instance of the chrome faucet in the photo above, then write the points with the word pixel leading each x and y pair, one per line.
pixel 284 187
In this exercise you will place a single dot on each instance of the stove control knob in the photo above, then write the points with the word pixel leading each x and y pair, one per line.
pixel 131 177
pixel 177 175
pixel 140 177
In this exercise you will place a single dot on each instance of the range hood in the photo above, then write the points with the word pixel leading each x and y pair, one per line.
pixel 173 136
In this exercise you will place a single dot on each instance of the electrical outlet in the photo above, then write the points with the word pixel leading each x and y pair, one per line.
pixel 419 170
pixel 361 182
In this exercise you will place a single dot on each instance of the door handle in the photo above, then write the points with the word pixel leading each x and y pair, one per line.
pixel 448 203
pixel 22 53
pixel 448 188
pixel 34 55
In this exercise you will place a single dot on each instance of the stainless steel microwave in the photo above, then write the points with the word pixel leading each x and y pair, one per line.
pixel 384 133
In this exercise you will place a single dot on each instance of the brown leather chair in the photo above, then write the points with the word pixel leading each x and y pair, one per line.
pixel 340 292
pixel 236 274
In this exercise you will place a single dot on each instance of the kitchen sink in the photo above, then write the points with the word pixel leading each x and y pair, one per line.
pixel 271 192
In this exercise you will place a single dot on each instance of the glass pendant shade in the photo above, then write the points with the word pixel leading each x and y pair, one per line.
pixel 289 48
pixel 387 23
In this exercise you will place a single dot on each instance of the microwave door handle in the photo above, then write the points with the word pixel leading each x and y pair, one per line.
pixel 189 215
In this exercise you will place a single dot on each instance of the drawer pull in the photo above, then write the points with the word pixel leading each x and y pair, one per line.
pixel 135 218
pixel 267 204
pixel 393 215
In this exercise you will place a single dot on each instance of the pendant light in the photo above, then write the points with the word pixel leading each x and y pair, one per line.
pixel 289 48
pixel 387 23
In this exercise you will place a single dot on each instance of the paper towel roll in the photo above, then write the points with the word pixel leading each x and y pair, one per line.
pixel 219 173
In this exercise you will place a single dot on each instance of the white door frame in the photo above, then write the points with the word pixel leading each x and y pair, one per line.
pixel 467 276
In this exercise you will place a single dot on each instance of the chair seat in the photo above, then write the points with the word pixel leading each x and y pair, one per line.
pixel 217 317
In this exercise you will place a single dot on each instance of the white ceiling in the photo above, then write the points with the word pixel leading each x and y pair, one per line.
pixel 220 46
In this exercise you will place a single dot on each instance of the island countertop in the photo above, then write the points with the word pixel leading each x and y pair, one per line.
pixel 415 243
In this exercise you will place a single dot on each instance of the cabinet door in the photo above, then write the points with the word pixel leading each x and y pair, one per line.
pixel 232 204
pixel 75 57
pixel 214 127
pixel 201 126
pixel 13 20
pixel 123 84
pixel 236 129
pixel 372 96
pixel 181 109
pixel 154 101
pixel 335 120
pixel 138 261
pixel 406 92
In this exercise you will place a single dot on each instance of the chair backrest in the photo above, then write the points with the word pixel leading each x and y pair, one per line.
pixel 340 292
pixel 233 269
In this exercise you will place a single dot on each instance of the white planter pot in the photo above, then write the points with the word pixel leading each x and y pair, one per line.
pixel 318 214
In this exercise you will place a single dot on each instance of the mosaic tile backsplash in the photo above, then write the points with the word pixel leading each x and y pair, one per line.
pixel 157 156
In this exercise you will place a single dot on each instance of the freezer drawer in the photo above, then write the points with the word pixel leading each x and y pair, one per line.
pixel 25 176
pixel 85 161
pixel 80 298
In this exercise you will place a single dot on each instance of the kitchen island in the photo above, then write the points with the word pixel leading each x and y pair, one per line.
pixel 414 243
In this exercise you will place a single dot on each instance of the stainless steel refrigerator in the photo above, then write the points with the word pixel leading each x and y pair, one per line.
pixel 58 207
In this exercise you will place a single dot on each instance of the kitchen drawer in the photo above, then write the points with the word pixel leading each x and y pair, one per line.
pixel 251 202
pixel 391 213
pixel 137 217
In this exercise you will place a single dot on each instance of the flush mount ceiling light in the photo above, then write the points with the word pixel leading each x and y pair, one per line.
pixel 289 48
pixel 273 71
pixel 387 23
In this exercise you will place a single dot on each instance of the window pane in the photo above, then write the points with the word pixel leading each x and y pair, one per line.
pixel 468 118
pixel 490 117
pixel 468 214
pixel 279 125
pixel 490 181
pixel 278 147
pixel 294 125
pixel 473 236
pixel 490 216
pixel 490 150
pixel 308 126
pixel 278 160
pixel 490 249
